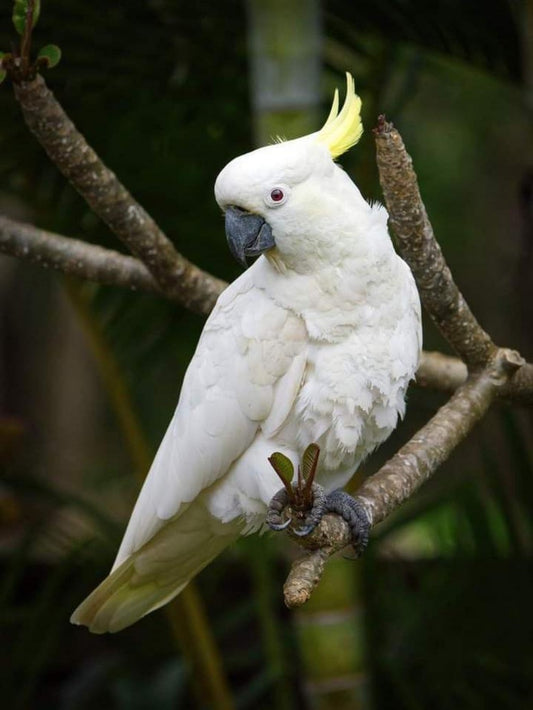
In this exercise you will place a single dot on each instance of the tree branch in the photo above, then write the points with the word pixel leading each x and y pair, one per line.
pixel 493 370
pixel 445 373
pixel 95 263
pixel 418 247
pixel 74 257
pixel 440 372
pixel 177 277
pixel 397 480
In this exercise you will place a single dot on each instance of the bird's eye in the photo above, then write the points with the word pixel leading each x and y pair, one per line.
pixel 277 196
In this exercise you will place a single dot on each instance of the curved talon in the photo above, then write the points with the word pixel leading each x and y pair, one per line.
pixel 279 526
pixel 302 532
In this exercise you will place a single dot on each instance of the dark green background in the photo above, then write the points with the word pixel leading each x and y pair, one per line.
pixel 160 90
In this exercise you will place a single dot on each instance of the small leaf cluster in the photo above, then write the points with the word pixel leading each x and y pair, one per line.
pixel 17 64
pixel 299 493
pixel 23 11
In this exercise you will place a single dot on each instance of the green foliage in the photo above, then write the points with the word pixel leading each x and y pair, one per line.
pixel 50 55
pixel 20 12
pixel 282 465
pixel 3 72
pixel 310 462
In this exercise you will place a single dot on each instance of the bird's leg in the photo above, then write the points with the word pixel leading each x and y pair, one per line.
pixel 301 505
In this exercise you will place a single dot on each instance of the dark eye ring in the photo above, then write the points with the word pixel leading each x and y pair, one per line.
pixel 277 195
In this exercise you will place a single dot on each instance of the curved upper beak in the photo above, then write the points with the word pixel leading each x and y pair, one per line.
pixel 247 234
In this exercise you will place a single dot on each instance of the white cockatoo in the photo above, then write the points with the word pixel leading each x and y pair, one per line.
pixel 315 342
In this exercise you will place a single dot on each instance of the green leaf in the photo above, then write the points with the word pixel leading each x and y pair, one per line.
pixel 310 462
pixel 282 465
pixel 51 54
pixel 20 9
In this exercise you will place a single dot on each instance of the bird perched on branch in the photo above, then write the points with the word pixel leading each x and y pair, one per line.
pixel 315 342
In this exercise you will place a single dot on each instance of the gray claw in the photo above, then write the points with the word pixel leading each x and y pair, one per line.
pixel 305 530
pixel 279 526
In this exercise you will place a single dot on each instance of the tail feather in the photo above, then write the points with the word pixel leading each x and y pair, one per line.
pixel 157 572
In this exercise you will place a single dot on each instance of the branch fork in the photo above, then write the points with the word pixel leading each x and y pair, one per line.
pixel 489 370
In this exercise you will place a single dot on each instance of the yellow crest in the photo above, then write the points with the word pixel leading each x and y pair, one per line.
pixel 342 130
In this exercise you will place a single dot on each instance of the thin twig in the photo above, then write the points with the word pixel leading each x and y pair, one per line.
pixel 177 277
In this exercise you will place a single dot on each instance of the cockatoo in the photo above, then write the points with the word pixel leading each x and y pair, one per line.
pixel 315 342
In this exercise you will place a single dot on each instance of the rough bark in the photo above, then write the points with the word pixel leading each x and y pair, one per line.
pixel 74 257
pixel 419 248
pixel 67 148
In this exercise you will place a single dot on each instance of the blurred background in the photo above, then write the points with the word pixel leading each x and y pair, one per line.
pixel 439 613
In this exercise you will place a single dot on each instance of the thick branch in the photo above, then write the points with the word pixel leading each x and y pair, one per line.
pixel 419 248
pixel 414 463
pixel 74 257
pixel 68 149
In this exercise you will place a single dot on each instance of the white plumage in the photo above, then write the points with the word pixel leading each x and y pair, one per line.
pixel 315 342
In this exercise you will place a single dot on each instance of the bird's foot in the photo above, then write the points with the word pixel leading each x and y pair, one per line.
pixel 354 513
pixel 301 504
pixel 282 512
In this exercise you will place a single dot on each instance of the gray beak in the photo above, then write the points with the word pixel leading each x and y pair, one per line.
pixel 247 234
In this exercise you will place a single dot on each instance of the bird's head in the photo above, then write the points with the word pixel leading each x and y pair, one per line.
pixel 283 199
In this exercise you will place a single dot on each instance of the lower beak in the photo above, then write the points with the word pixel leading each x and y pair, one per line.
pixel 247 234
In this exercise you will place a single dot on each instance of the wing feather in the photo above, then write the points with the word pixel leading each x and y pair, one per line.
pixel 249 345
